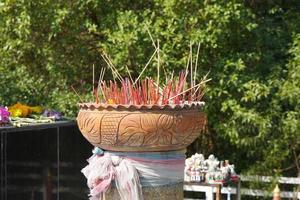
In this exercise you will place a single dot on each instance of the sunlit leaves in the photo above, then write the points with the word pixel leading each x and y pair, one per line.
pixel 252 101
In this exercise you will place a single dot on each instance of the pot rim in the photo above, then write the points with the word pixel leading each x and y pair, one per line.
pixel 185 105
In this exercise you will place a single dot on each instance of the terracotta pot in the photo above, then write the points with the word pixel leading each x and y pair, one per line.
pixel 141 128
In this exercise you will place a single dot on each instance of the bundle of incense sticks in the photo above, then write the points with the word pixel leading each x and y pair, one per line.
pixel 147 92
pixel 127 91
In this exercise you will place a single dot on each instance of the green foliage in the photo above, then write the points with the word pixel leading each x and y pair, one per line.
pixel 251 48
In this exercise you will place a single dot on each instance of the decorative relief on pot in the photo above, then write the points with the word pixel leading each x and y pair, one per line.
pixel 124 130
pixel 109 128
pixel 141 130
pixel 89 126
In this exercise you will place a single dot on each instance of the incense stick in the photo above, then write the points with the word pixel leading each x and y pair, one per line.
pixel 97 90
pixel 153 43
pixel 191 69
pixel 158 64
pixel 93 74
pixel 186 69
pixel 160 89
pixel 198 49
pixel 76 94
pixel 191 65
pixel 202 82
pixel 129 74
pixel 172 75
pixel 100 80
pixel 204 78
pixel 145 67
pixel 113 66
pixel 112 69
pixel 93 81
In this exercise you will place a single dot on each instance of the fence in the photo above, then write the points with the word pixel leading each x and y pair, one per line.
pixel 247 191
pixel 268 179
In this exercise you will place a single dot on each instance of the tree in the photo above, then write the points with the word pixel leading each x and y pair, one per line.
pixel 252 100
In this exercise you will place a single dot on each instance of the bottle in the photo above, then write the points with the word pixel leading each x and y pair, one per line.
pixel 193 175
pixel 198 178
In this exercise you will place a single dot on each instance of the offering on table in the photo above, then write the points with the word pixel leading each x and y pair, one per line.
pixel 210 170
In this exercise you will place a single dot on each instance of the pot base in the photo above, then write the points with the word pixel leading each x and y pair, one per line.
pixel 142 148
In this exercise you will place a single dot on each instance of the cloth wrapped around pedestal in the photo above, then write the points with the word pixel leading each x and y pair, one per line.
pixel 131 173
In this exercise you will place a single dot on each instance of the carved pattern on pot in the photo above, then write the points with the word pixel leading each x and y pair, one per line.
pixel 154 129
pixel 141 130
pixel 109 128
pixel 89 126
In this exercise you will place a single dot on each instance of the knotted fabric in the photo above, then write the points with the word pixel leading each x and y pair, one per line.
pixel 131 171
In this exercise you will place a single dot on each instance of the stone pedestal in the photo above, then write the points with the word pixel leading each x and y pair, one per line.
pixel 161 174
pixel 168 192
pixel 140 175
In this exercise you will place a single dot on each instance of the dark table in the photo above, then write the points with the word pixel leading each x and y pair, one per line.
pixel 4 131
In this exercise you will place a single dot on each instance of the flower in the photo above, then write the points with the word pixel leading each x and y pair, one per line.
pixel 52 113
pixel 4 115
pixel 110 101
pixel 19 110
pixel 22 110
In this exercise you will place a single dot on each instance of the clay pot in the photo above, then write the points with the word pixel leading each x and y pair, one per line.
pixel 141 128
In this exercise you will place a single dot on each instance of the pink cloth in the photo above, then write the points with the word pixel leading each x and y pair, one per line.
pixel 100 172
pixel 126 172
